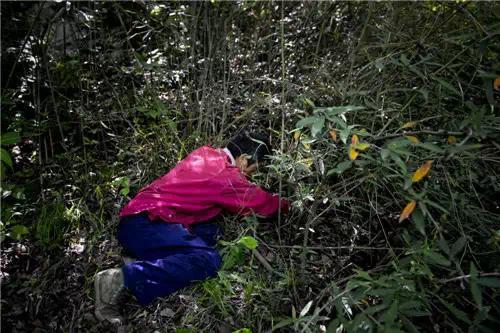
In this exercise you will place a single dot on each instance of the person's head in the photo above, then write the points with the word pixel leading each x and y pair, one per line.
pixel 248 150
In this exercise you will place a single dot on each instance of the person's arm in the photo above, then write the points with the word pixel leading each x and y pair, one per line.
pixel 239 196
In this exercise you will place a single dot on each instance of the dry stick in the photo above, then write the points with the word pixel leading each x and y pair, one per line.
pixel 465 277
pixel 346 247
pixel 264 262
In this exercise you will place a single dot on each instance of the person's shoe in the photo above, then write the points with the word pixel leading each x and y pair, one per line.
pixel 109 294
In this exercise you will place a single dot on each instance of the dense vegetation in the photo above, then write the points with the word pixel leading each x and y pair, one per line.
pixel 386 127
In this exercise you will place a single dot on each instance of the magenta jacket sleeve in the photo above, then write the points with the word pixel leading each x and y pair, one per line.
pixel 239 196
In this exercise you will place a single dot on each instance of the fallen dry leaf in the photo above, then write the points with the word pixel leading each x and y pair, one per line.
pixel 496 83
pixel 333 134
pixel 406 212
pixel 421 172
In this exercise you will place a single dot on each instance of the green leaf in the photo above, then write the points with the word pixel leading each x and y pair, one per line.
pixel 5 157
pixel 233 257
pixel 341 167
pixel 10 138
pixel 344 134
pixel 308 121
pixel 249 242
pixel 317 126
pixel 431 147
pixel 474 288
pixel 399 162
pixel 390 315
pixel 459 314
pixel 384 153
pixel 458 246
pixel 335 110
pixel 448 86
pixel 491 282
pixel 419 220
pixel 437 258
pixel 243 330
pixel 284 323
pixel 18 231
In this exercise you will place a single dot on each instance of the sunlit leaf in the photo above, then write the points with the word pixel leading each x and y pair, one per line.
pixel 333 135
pixel 409 124
pixel 452 140
pixel 306 309
pixel 353 153
pixel 406 212
pixel 296 135
pixel 421 172
pixel 412 139
pixel 249 242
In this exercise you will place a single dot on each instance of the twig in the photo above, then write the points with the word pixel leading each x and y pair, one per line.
pixel 440 132
pixel 346 247
pixel 264 262
pixel 464 277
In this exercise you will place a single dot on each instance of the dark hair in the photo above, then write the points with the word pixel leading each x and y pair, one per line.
pixel 254 144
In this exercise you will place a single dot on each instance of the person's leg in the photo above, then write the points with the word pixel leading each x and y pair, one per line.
pixel 169 257
pixel 152 278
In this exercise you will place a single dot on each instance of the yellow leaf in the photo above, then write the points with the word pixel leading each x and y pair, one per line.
pixel 307 161
pixel 409 124
pixel 413 139
pixel 333 134
pixel 361 146
pixel 452 140
pixel 307 146
pixel 353 153
pixel 421 172
pixel 406 212
pixel 496 83
pixel 354 139
pixel 296 136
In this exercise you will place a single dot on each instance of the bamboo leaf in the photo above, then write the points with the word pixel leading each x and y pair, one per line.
pixel 421 172
pixel 406 212
pixel 5 157
pixel 474 287
pixel 10 138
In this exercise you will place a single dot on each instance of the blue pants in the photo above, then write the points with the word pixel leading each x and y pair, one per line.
pixel 169 257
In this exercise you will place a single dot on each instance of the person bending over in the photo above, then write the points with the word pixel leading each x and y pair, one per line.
pixel 168 229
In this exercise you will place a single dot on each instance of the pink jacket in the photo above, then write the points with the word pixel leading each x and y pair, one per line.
pixel 199 188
